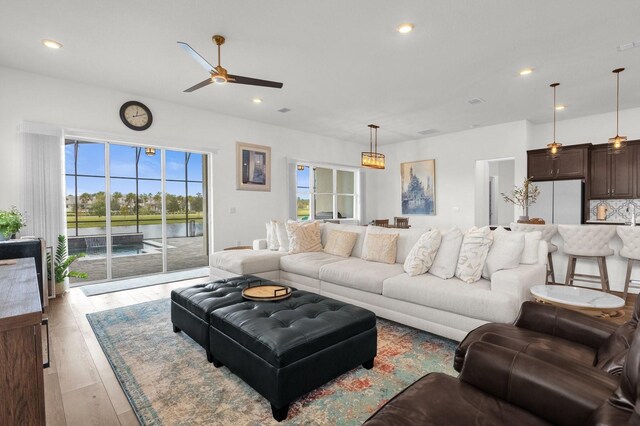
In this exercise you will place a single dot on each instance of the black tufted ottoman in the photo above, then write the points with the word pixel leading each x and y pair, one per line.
pixel 288 348
pixel 191 306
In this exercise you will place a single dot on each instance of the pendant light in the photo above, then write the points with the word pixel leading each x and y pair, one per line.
pixel 554 147
pixel 372 158
pixel 300 167
pixel 150 151
pixel 617 143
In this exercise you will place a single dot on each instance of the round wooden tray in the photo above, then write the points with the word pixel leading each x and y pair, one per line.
pixel 266 292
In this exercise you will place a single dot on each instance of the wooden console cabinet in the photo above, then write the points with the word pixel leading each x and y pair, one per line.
pixel 21 373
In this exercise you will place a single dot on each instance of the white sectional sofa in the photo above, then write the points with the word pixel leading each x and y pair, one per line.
pixel 447 307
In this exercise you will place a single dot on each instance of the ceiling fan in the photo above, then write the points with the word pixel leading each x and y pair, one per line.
pixel 219 75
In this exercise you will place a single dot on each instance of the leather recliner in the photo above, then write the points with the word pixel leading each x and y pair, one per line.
pixel 554 334
pixel 499 385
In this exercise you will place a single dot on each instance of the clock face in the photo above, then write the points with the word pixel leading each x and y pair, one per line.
pixel 136 115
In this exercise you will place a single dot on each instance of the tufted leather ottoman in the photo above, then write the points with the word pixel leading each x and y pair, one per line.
pixel 191 306
pixel 286 349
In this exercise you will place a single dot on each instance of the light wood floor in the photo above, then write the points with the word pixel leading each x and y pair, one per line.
pixel 80 387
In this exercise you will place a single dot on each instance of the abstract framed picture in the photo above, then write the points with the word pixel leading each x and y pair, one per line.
pixel 253 167
pixel 418 187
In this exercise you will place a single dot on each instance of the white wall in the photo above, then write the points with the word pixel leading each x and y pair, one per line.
pixel 456 155
pixel 31 97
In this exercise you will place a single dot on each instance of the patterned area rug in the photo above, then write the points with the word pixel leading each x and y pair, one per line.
pixel 168 380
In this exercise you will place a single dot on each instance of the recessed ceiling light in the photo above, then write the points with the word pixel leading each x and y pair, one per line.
pixel 560 107
pixel 526 71
pixel 405 28
pixel 257 100
pixel 51 44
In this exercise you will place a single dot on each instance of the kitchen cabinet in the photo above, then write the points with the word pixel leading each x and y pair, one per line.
pixel 572 163
pixel 611 175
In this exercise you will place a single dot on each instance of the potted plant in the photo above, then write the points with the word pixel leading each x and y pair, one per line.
pixel 11 221
pixel 523 196
pixel 61 266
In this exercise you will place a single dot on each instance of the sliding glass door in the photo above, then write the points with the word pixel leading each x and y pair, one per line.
pixel 135 210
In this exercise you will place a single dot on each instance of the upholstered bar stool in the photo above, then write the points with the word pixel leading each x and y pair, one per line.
pixel 587 242
pixel 630 236
pixel 547 231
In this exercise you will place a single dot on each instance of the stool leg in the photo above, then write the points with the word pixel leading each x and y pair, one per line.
pixel 551 271
pixel 627 279
pixel 606 273
pixel 604 278
pixel 571 267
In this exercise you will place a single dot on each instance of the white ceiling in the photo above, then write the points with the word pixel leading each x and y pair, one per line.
pixel 342 62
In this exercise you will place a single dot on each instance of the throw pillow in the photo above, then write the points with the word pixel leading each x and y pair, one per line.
pixel 380 248
pixel 531 245
pixel 282 236
pixel 273 236
pixel 340 243
pixel 269 230
pixel 444 265
pixel 303 237
pixel 505 252
pixel 421 256
pixel 473 253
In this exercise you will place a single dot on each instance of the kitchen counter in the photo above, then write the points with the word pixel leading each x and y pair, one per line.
pixel 606 222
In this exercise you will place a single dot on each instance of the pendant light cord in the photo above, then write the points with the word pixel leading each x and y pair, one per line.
pixel 554 114
pixel 617 102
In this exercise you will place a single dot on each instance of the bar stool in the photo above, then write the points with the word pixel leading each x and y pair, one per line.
pixel 547 231
pixel 587 242
pixel 630 236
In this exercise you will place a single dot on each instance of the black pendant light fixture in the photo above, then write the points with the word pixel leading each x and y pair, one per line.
pixel 554 147
pixel 372 158
pixel 617 143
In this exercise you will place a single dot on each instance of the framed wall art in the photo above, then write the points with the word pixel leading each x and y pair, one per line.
pixel 418 187
pixel 253 167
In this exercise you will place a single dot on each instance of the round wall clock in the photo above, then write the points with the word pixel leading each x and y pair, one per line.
pixel 136 115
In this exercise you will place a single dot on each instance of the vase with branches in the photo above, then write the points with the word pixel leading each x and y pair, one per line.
pixel 523 196
pixel 62 265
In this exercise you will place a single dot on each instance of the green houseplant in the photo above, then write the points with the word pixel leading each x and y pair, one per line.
pixel 523 196
pixel 62 264
pixel 11 221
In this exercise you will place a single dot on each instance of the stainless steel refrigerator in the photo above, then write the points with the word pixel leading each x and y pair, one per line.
pixel 560 201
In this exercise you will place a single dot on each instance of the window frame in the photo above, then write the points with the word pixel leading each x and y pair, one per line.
pixel 335 194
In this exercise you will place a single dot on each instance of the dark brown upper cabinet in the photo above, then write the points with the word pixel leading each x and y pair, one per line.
pixel 611 175
pixel 572 163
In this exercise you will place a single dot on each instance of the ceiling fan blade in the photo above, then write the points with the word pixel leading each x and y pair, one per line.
pixel 196 56
pixel 238 79
pixel 199 85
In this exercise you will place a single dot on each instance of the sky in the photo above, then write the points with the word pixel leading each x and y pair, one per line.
pixel 91 161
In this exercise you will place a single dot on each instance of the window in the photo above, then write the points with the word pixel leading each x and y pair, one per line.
pixel 326 193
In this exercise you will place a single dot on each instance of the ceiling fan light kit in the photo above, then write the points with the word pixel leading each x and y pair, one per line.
pixel 617 143
pixel 554 147
pixel 372 159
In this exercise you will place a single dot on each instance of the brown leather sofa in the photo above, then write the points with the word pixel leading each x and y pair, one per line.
pixel 501 386
pixel 553 334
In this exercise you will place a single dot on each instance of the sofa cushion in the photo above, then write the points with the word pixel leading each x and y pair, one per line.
pixel 360 230
pixel 505 252
pixel 380 248
pixel 444 265
pixel 243 262
pixel 359 274
pixel 303 237
pixel 472 300
pixel 407 238
pixel 340 243
pixel 307 264
pixel 473 253
pixel 421 256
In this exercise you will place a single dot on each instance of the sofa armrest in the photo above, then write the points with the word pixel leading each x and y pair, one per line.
pixel 565 323
pixel 260 244
pixel 548 391
pixel 518 281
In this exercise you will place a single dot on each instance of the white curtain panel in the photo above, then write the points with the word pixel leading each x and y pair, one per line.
pixel 44 201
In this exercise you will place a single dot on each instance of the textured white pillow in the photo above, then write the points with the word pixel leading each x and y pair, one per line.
pixel 272 236
pixel 380 248
pixel 505 252
pixel 531 244
pixel 304 237
pixel 340 243
pixel 421 256
pixel 444 265
pixel 269 231
pixel 473 253
pixel 282 236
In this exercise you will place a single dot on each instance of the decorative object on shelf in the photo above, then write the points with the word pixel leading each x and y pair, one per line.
pixel 150 151
pixel 253 167
pixel 372 158
pixel 418 180
pixel 617 143
pixel 136 115
pixel 61 265
pixel 523 196
pixel 601 212
pixel 11 221
pixel 554 147
pixel 219 75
